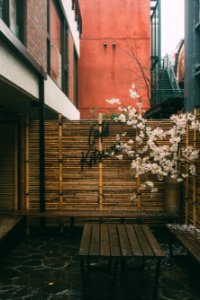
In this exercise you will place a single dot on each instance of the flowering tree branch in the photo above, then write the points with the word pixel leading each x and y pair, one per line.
pixel 148 155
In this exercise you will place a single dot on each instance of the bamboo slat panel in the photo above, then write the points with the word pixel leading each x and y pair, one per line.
pixel 32 179
pixel 191 187
pixel 8 166
pixel 68 187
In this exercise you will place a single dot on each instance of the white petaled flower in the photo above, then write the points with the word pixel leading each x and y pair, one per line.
pixel 133 94
pixel 117 137
pixel 121 118
pixel 113 101
pixel 131 142
pixel 133 86
pixel 124 134
pixel 139 140
pixel 120 157
pixel 180 179
pixel 133 197
pixel 192 169
pixel 149 183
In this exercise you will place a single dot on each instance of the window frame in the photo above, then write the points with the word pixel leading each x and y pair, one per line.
pixel 6 7
pixel 63 45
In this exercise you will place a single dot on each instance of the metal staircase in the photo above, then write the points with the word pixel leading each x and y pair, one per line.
pixel 167 96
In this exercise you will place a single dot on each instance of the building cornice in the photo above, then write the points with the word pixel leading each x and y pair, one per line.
pixel 14 43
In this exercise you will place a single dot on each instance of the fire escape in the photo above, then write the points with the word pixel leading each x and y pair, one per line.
pixel 166 94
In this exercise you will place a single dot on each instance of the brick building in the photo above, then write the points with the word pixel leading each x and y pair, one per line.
pixel 192 55
pixel 39 50
pixel 115 52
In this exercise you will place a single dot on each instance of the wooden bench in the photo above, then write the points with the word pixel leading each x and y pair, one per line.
pixel 155 218
pixel 118 243
pixel 189 237
pixel 8 224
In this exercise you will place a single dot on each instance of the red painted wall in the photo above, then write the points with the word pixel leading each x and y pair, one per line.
pixel 106 71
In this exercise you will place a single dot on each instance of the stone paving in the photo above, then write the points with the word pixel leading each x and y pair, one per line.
pixel 46 267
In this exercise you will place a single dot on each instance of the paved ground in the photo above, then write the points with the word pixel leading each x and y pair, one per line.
pixel 46 266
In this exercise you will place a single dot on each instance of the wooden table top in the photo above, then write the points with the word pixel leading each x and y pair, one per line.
pixel 119 240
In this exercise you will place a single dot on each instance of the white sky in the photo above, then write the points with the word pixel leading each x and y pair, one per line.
pixel 172 24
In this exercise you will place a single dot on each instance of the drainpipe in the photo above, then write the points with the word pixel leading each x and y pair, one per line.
pixel 159 33
pixel 42 143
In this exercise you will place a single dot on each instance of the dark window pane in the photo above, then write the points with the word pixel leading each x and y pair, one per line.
pixel 4 11
pixel 14 25
pixel 11 12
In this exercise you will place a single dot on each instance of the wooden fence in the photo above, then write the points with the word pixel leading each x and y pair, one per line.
pixel 191 186
pixel 108 185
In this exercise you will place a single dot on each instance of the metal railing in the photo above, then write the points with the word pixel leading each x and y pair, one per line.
pixel 160 95
pixel 168 66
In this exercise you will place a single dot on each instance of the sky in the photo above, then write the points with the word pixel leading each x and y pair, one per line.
pixel 172 24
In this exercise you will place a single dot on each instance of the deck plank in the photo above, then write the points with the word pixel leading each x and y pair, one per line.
pixel 85 241
pixel 114 241
pixel 105 243
pixel 124 241
pixel 144 243
pixel 152 241
pixel 95 240
pixel 135 246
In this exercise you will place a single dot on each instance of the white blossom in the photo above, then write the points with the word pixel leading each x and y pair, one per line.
pixel 113 101
pixel 120 157
pixel 121 118
pixel 117 137
pixel 133 94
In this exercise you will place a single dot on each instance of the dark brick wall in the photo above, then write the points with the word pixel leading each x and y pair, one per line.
pixel 35 31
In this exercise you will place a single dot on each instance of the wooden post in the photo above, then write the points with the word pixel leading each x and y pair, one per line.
pixel 100 164
pixel 187 181
pixel 194 212
pixel 22 174
pixel 60 133
pixel 42 146
pixel 27 164
pixel 138 182
pixel 16 167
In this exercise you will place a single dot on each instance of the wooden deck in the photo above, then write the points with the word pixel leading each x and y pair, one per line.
pixel 8 224
pixel 118 243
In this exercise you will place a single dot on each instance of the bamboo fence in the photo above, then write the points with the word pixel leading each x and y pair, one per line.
pixel 107 185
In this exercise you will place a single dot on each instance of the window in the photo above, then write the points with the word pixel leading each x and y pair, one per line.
pixel 57 46
pixel 75 79
pixel 11 12
pixel 66 61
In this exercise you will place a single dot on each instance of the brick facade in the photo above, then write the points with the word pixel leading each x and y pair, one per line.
pixel 35 30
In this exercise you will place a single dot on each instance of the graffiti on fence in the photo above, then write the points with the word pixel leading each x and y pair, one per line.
pixel 93 155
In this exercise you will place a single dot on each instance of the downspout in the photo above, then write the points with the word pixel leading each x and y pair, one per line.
pixel 159 32
pixel 42 143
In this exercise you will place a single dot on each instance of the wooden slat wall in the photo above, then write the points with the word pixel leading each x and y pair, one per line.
pixel 8 166
pixel 32 165
pixel 67 187
pixel 191 190
pixel 80 188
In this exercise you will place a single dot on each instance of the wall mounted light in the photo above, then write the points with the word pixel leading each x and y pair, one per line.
pixel 105 44
pixel 113 45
